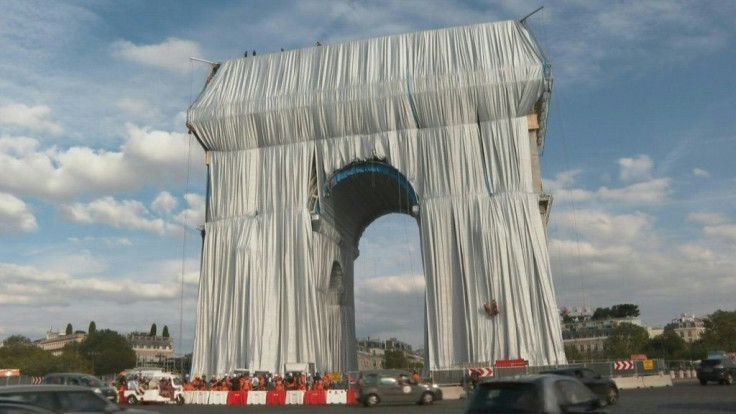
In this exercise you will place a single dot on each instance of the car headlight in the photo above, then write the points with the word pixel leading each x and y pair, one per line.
pixel 98 391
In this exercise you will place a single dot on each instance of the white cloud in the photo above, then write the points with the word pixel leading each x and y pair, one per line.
pixel 164 203
pixel 15 215
pixel 723 231
pixel 147 157
pixel 172 55
pixel 135 107
pixel 648 192
pixel 635 169
pixel 193 215
pixel 698 172
pixel 33 118
pixel 707 218
pixel 400 284
pixel 127 214
pixel 695 252
pixel 108 241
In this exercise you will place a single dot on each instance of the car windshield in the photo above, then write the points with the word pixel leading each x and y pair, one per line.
pixel 710 362
pixel 507 397
pixel 90 381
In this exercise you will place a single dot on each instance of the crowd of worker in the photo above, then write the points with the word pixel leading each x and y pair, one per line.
pixel 261 382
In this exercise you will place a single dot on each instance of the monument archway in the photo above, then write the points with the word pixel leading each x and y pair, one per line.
pixel 451 119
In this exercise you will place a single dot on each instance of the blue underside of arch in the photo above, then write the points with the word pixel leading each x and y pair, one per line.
pixel 373 168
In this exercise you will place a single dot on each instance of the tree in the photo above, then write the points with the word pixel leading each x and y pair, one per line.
pixel 720 330
pixel 625 340
pixel 92 328
pixel 153 330
pixel 601 313
pixel 395 359
pixel 165 332
pixel 669 345
pixel 69 329
pixel 108 352
pixel 625 310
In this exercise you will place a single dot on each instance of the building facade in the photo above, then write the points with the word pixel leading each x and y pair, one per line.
pixel 688 327
pixel 151 350
pixel 55 341
pixel 589 336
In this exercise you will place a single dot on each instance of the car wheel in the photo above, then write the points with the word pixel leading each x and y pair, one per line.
pixel 371 400
pixel 612 396
pixel 703 382
pixel 131 400
pixel 728 380
pixel 427 398
pixel 179 399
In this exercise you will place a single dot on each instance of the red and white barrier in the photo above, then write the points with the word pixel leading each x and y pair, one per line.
pixel 314 397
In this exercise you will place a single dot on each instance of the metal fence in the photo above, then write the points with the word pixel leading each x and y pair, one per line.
pixel 461 375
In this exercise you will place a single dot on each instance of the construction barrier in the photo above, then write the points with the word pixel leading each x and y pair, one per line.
pixel 314 397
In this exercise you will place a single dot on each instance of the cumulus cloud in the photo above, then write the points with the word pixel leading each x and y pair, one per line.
pixel 635 169
pixel 648 192
pixel 707 218
pixel 723 231
pixel 32 118
pixel 193 215
pixel 15 216
pixel 698 172
pixel 147 157
pixel 27 285
pixel 164 203
pixel 172 55
pixel 126 214
pixel 400 284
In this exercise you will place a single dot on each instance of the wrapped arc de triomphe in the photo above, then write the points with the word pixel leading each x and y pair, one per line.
pixel 305 148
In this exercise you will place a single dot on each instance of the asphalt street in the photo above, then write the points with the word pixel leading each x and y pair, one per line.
pixel 686 397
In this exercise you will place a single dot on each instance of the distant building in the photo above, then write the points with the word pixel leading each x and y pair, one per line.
pixel 688 327
pixel 590 335
pixel 55 342
pixel 372 351
pixel 151 350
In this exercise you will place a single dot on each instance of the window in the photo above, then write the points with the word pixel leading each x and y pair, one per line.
pixel 571 392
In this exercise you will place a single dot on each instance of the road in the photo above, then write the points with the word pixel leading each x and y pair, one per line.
pixel 682 398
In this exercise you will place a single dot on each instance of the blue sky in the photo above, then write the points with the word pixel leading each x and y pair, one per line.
pixel 101 189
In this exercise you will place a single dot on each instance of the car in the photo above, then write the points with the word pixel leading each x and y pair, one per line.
pixel 84 380
pixel 18 407
pixel 540 393
pixel 605 388
pixel 64 399
pixel 721 370
pixel 394 386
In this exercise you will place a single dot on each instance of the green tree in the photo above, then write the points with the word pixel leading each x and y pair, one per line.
pixel 165 332
pixel 601 313
pixel 153 330
pixel 20 352
pixel 669 345
pixel 69 329
pixel 720 331
pixel 625 340
pixel 107 351
pixel 92 328
pixel 395 359
pixel 625 310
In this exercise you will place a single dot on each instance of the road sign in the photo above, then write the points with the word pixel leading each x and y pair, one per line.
pixel 621 365
pixel 648 364
pixel 482 372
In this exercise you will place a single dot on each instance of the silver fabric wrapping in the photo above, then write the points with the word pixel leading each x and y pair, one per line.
pixel 445 108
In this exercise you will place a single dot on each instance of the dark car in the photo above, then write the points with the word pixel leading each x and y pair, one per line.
pixel 18 407
pixel 720 370
pixel 394 386
pixel 533 394
pixel 63 399
pixel 83 380
pixel 605 388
